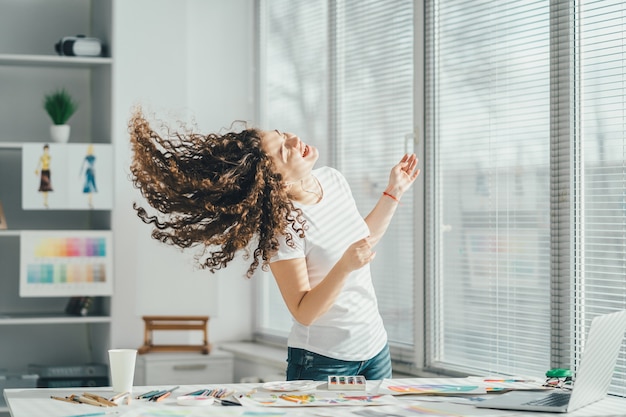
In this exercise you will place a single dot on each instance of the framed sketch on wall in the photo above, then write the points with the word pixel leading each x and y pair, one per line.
pixel 3 220
pixel 66 263
pixel 70 176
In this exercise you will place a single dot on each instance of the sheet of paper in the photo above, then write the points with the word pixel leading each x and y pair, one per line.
pixel 431 386
pixel 314 399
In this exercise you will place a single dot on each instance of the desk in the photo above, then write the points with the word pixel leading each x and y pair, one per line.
pixel 36 402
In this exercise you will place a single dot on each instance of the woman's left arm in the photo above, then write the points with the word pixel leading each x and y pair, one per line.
pixel 402 176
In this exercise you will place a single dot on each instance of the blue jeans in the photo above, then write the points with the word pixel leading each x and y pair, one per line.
pixel 302 364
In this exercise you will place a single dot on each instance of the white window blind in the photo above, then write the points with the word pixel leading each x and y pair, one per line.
pixel 488 141
pixel 374 114
pixel 526 117
pixel 601 48
pixel 294 97
pixel 340 74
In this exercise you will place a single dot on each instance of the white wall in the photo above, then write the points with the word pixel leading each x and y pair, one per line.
pixel 179 58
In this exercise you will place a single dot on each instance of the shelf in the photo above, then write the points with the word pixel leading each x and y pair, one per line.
pixel 18 233
pixel 10 233
pixel 11 145
pixel 18 146
pixel 53 61
pixel 50 318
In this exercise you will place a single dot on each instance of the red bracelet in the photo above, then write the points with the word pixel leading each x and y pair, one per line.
pixel 393 197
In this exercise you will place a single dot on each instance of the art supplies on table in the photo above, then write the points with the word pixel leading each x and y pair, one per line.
pixel 346 383
pixel 201 397
pixel 497 384
pixel 286 386
pixel 432 386
pixel 91 399
pixel 194 400
pixel 315 399
pixel 157 395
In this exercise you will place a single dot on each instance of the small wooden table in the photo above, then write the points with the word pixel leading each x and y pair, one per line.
pixel 175 323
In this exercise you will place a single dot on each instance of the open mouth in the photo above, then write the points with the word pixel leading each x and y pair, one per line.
pixel 306 151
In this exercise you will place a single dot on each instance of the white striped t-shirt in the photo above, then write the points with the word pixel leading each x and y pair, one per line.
pixel 352 329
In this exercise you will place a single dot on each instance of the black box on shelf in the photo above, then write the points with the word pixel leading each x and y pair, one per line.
pixel 65 376
pixel 73 382
pixel 88 370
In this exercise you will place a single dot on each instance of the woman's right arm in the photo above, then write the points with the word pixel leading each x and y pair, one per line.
pixel 307 303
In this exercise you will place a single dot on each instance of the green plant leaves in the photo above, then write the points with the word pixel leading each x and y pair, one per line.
pixel 60 106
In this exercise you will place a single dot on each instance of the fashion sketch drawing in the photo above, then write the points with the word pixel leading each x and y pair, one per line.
pixel 88 170
pixel 43 170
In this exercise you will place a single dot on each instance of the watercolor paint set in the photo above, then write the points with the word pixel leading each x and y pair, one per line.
pixel 346 382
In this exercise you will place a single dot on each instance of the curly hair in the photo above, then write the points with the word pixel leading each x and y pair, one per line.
pixel 219 192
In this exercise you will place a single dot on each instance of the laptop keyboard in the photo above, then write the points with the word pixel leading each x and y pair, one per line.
pixel 554 399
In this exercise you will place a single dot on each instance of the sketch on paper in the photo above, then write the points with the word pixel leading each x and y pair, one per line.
pixel 75 176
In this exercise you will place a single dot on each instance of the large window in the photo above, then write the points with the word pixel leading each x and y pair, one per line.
pixel 340 75
pixel 525 122
pixel 525 164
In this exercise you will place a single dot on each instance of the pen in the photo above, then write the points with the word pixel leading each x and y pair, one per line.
pixel 87 400
pixel 162 397
pixel 100 399
pixel 154 395
pixel 147 394
pixel 118 396
pixel 198 392
pixel 168 392
pixel 94 414
pixel 69 400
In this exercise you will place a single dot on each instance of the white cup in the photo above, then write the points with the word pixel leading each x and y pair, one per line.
pixel 122 367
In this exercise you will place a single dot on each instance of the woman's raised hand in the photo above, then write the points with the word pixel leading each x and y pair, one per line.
pixel 402 175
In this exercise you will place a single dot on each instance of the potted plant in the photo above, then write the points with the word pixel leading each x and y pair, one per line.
pixel 60 106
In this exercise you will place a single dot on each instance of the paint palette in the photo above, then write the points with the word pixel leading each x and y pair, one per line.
pixel 346 383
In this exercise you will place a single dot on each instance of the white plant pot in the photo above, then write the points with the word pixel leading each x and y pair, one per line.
pixel 60 133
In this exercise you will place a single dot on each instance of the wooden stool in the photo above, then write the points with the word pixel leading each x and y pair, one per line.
pixel 174 323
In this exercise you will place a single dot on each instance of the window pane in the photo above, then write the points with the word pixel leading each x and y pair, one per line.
pixel 603 120
pixel 488 115
pixel 294 85
pixel 340 74
pixel 374 85
pixel 295 73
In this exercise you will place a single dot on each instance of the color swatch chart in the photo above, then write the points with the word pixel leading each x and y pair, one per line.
pixel 60 263
pixel 63 271
pixel 49 273
pixel 70 247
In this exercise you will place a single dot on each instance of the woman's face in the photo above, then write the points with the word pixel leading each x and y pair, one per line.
pixel 293 158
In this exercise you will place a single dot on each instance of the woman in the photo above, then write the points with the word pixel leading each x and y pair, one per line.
pixel 229 192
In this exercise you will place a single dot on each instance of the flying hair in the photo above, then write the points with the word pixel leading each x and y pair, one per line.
pixel 218 192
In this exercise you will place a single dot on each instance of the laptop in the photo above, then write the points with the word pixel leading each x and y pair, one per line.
pixel 593 379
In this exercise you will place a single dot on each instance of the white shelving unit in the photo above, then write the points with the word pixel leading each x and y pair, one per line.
pixel 36 330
